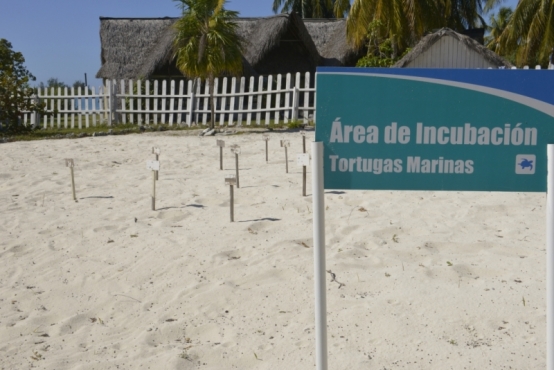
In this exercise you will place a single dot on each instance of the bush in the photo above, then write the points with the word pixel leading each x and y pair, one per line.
pixel 15 92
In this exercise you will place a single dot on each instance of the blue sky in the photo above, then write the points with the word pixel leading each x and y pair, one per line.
pixel 60 38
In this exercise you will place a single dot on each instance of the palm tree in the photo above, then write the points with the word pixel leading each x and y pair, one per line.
pixel 498 23
pixel 530 32
pixel 313 8
pixel 404 22
pixel 206 42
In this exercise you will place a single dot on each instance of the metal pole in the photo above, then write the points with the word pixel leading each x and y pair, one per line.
pixel 266 152
pixel 154 191
pixel 221 158
pixel 73 184
pixel 232 204
pixel 550 260
pixel 237 169
pixel 319 257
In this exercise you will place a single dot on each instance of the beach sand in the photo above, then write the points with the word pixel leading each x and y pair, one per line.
pixel 432 280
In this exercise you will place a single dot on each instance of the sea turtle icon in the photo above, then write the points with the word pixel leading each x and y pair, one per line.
pixel 526 163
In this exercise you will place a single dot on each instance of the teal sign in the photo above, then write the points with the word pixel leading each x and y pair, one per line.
pixel 435 129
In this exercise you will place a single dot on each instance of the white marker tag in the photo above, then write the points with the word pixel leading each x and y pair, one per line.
pixel 153 165
pixel 69 162
pixel 235 149
pixel 265 137
pixel 156 151
pixel 303 133
pixel 303 159
pixel 285 143
pixel 221 143
pixel 230 180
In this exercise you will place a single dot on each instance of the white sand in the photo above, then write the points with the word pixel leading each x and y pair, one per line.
pixel 84 286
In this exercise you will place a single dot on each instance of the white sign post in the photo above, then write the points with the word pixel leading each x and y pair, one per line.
pixel 236 149
pixel 303 160
pixel 69 163
pixel 266 139
pixel 318 202
pixel 303 133
pixel 550 260
pixel 285 144
pixel 154 166
pixel 157 152
pixel 221 145
pixel 231 181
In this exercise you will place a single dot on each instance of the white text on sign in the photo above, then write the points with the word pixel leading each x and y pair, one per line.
pixel 465 134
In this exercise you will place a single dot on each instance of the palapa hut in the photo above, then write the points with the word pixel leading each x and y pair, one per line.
pixel 329 36
pixel 448 49
pixel 142 47
pixel 135 48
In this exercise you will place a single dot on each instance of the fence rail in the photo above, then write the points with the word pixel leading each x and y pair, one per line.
pixel 237 101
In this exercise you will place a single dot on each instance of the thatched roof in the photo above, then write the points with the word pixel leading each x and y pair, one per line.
pixel 127 43
pixel 268 32
pixel 429 40
pixel 135 47
pixel 329 36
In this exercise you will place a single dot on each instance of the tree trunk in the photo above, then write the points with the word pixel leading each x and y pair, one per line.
pixel 212 102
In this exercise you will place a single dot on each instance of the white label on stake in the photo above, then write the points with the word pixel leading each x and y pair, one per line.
pixel 235 149
pixel 69 162
pixel 265 137
pixel 303 133
pixel 153 165
pixel 285 143
pixel 156 151
pixel 221 143
pixel 303 159
pixel 231 180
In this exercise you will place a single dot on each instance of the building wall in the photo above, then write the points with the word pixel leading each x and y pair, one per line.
pixel 448 52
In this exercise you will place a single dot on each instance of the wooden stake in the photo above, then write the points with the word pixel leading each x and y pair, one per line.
pixel 232 204
pixel 69 163
pixel 73 184
pixel 236 149
pixel 154 166
pixel 221 145
pixel 303 160
pixel 266 138
pixel 286 144
pixel 286 160
pixel 231 181
pixel 157 152
pixel 237 169
pixel 157 159
pixel 154 190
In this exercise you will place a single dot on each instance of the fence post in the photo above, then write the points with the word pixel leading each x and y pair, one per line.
pixel 191 107
pixel 111 102
pixel 295 96
pixel 35 117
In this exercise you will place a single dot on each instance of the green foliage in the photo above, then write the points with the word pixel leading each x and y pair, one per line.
pixel 295 124
pixel 15 92
pixel 529 34
pixel 406 21
pixel 206 42
pixel 313 8
pixel 498 23
pixel 380 51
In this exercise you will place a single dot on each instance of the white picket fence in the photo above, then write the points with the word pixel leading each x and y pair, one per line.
pixel 238 101
pixel 270 99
